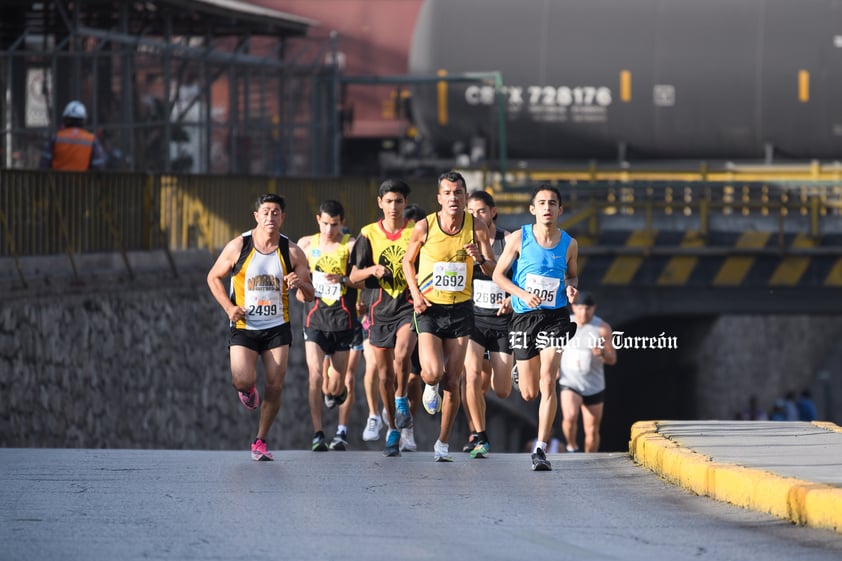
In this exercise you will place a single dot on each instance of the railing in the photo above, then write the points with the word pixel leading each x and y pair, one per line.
pixel 47 213
pixel 809 207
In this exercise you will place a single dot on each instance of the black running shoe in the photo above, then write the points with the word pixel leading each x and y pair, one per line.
pixel 340 399
pixel 319 442
pixel 339 442
pixel 472 441
pixel 540 461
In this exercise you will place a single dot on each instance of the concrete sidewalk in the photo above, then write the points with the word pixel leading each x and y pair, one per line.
pixel 792 470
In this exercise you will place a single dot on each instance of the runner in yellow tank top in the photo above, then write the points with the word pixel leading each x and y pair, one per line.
pixel 447 242
pixel 444 272
pixel 329 320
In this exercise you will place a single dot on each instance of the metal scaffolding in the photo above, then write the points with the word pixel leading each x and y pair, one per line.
pixel 193 86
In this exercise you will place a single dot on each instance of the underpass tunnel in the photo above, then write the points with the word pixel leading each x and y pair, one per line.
pixel 652 383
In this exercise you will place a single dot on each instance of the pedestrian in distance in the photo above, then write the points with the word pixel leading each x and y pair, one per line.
pixel 263 266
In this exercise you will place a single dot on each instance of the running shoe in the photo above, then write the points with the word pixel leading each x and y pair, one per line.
pixel 403 417
pixel 372 429
pixel 515 376
pixel 441 452
pixel 258 451
pixel 431 399
pixel 393 442
pixel 540 461
pixel 251 399
pixel 319 442
pixel 408 440
pixel 340 399
pixel 330 401
pixel 480 450
pixel 339 442
pixel 472 441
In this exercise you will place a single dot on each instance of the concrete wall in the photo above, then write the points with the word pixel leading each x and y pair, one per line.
pixel 767 356
pixel 104 360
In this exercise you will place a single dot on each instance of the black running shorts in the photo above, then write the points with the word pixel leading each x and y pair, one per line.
pixel 447 321
pixel 492 333
pixel 260 340
pixel 531 332
pixel 330 341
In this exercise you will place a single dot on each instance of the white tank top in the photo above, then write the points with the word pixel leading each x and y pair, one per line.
pixel 580 369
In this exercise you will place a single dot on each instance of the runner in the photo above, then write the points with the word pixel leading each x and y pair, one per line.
pixel 490 335
pixel 330 320
pixel 447 244
pixel 263 266
pixel 582 383
pixel 377 261
pixel 543 260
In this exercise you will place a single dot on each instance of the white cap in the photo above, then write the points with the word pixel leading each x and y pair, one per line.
pixel 75 110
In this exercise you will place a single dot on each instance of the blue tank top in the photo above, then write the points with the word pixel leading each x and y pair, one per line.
pixel 541 271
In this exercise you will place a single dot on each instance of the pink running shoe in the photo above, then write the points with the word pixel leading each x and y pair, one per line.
pixel 251 400
pixel 258 451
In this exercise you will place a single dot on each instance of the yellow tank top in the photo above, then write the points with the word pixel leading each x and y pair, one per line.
pixel 445 270
pixel 388 250
pixel 331 263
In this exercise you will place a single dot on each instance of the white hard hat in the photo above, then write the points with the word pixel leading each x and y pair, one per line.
pixel 75 110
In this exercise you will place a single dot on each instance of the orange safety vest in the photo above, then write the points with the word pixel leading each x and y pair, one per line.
pixel 73 148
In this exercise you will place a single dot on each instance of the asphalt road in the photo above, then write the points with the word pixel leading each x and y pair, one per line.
pixel 152 504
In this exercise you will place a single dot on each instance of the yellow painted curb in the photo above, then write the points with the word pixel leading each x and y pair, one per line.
pixel 802 502
pixel 827 426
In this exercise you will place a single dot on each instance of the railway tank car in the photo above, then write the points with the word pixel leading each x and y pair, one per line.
pixel 648 79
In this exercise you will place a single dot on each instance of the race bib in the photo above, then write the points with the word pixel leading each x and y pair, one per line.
pixel 263 304
pixel 488 295
pixel 324 289
pixel 450 277
pixel 545 288
pixel 576 362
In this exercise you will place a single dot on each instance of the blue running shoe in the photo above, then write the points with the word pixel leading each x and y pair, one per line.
pixel 403 417
pixel 393 443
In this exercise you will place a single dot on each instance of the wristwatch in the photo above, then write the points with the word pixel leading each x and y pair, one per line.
pixel 344 279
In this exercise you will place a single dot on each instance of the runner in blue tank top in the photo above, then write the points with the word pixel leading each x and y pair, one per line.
pixel 544 281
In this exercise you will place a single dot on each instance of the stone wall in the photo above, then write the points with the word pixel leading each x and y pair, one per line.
pixel 767 356
pixel 108 361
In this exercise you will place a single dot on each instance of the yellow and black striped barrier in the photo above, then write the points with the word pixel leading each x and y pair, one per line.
pixel 720 260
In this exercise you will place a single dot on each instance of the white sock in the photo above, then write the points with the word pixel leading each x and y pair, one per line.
pixel 571 448
pixel 342 428
pixel 541 445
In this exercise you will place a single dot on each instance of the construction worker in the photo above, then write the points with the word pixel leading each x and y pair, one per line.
pixel 73 148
